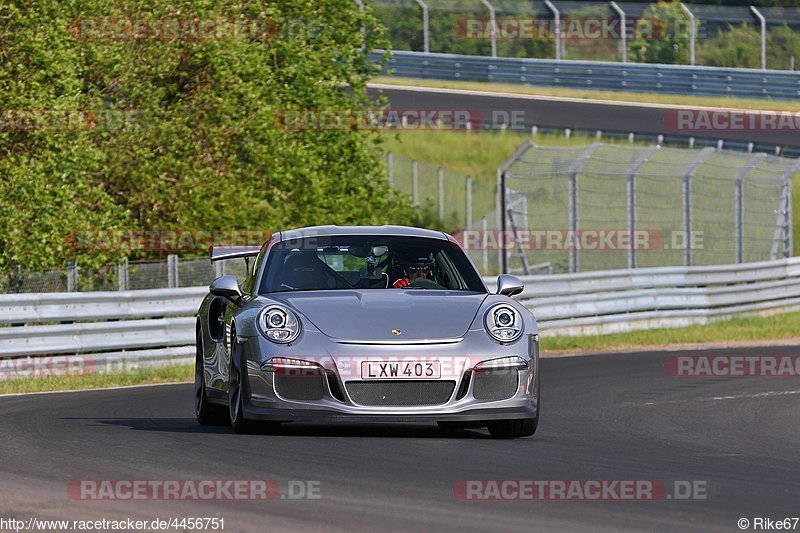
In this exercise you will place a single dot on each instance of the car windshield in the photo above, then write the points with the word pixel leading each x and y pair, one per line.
pixel 368 262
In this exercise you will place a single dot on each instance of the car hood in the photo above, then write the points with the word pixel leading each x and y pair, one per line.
pixel 372 315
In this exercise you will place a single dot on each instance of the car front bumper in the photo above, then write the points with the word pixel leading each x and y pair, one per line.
pixel 340 376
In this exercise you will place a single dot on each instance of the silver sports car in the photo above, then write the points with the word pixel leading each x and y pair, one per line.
pixel 385 323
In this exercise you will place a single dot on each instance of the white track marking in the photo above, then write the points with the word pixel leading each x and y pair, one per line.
pixel 718 398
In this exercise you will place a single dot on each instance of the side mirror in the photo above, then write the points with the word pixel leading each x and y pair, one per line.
pixel 226 287
pixel 509 285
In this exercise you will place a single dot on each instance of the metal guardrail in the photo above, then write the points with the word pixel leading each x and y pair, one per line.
pixel 625 300
pixel 670 79
pixel 99 332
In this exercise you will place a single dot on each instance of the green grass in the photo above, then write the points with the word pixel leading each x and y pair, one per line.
pixel 740 330
pixel 616 96
pixel 479 154
pixel 144 376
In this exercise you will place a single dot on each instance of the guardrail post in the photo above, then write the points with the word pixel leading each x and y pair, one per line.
pixel 72 276
pixel 441 194
pixel 172 271
pixel 687 204
pixel 631 200
pixel 493 23
pixel 469 203
pixel 692 33
pixel 415 182
pixel 390 168
pixel 122 274
pixel 623 44
pixel 426 41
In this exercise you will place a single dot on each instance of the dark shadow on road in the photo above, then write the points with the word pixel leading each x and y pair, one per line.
pixel 323 429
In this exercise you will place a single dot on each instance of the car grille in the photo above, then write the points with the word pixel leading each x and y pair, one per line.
pixel 400 392
pixel 294 387
pixel 498 384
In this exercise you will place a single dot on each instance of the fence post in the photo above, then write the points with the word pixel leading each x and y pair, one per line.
pixel 631 200
pixel 469 203
pixel 574 168
pixel 72 276
pixel 415 182
pixel 692 33
pixel 426 41
pixel 783 223
pixel 390 168
pixel 172 271
pixel 484 244
pixel 623 43
pixel 441 194
pixel 122 274
pixel 763 23
pixel 739 204
pixel 788 248
pixel 687 203
pixel 493 23
pixel 501 203
pixel 557 29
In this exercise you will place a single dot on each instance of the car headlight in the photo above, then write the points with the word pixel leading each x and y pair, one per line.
pixel 503 323
pixel 279 324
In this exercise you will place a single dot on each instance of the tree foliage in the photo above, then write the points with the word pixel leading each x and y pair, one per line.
pixel 181 130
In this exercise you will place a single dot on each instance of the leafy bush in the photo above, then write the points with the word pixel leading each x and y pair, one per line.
pixel 181 131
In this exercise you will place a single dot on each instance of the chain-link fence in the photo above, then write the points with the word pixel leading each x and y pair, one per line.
pixel 604 206
pixel 592 31
pixel 449 200
pixel 128 275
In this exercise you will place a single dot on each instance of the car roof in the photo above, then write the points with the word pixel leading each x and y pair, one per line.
pixel 398 231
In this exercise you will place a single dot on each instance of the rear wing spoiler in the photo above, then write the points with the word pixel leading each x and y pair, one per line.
pixel 220 253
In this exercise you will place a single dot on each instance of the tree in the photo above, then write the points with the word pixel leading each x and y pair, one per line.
pixel 665 38
pixel 182 128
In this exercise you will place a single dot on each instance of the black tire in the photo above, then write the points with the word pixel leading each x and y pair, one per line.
pixel 235 393
pixel 206 412
pixel 511 429
pixel 524 427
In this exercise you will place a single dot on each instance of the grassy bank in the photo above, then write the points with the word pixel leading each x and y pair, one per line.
pixel 585 94
pixel 478 154
pixel 744 330
pixel 144 376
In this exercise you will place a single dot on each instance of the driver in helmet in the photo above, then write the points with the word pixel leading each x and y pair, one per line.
pixel 413 270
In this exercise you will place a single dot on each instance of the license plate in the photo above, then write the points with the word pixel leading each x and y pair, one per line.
pixel 401 370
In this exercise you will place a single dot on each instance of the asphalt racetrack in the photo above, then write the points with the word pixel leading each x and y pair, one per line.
pixel 575 113
pixel 614 417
